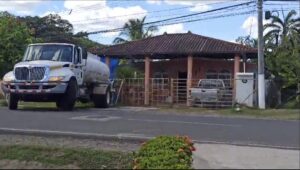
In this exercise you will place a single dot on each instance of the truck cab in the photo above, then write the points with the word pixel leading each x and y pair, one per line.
pixel 208 90
pixel 55 72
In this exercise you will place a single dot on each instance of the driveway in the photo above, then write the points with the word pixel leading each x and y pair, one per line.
pixel 146 123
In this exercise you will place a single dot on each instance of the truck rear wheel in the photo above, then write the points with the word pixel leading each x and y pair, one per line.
pixel 67 101
pixel 102 101
pixel 12 101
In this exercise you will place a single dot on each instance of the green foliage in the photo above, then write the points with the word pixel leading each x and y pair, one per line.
pixel 47 26
pixel 126 71
pixel 135 29
pixel 247 40
pixel 88 44
pixel 14 36
pixel 165 153
pixel 82 158
pixel 284 62
pixel 282 50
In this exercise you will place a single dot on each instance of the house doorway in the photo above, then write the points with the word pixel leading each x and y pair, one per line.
pixel 182 85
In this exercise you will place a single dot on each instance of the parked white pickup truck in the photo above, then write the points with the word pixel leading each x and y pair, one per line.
pixel 58 72
pixel 208 90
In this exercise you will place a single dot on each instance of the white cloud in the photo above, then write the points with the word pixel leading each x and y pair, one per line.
pixel 250 26
pixel 19 7
pixel 196 6
pixel 97 15
pixel 200 7
pixel 157 2
pixel 177 28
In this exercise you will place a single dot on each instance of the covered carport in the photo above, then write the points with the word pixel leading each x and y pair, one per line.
pixel 188 46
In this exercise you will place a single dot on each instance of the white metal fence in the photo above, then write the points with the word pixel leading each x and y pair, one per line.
pixel 164 91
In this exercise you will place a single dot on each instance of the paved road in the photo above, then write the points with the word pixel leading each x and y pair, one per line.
pixel 144 123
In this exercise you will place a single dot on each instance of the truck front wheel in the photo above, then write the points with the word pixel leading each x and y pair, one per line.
pixel 67 101
pixel 102 101
pixel 12 101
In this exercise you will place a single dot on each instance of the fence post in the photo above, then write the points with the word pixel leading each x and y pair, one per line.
pixel 172 92
pixel 189 79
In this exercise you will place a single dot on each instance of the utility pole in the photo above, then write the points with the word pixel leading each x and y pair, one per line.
pixel 261 61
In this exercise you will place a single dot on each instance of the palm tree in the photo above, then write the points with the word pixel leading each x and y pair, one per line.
pixel 280 29
pixel 247 41
pixel 135 29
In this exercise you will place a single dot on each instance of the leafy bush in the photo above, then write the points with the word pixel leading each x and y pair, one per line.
pixel 165 153
pixel 125 72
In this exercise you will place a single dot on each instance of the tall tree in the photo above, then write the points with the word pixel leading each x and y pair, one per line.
pixel 282 51
pixel 247 40
pixel 14 36
pixel 135 29
pixel 51 25
pixel 279 29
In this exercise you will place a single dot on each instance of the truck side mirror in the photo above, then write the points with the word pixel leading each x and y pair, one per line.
pixel 84 53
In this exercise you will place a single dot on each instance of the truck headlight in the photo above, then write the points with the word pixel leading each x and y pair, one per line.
pixel 9 78
pixel 56 78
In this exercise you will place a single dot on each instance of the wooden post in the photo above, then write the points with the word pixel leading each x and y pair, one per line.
pixel 147 80
pixel 237 60
pixel 172 92
pixel 189 78
pixel 107 61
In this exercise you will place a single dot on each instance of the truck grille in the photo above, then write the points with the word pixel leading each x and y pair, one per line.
pixel 32 74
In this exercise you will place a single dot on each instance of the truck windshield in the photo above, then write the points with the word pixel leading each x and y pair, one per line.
pixel 210 84
pixel 49 52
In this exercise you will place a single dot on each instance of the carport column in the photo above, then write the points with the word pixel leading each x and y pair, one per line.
pixel 189 78
pixel 237 60
pixel 107 61
pixel 147 80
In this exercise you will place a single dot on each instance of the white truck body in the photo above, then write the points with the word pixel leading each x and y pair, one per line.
pixel 208 90
pixel 58 72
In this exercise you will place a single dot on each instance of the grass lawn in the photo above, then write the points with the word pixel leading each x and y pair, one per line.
pixel 61 157
pixel 44 105
pixel 281 114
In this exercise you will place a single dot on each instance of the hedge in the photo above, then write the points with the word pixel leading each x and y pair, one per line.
pixel 165 152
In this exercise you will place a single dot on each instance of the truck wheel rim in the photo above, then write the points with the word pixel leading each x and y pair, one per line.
pixel 7 98
pixel 107 98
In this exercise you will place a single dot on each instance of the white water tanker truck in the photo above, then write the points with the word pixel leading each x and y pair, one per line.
pixel 58 72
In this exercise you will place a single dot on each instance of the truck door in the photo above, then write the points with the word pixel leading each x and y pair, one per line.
pixel 78 65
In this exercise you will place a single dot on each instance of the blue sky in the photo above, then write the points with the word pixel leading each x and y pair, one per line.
pixel 101 15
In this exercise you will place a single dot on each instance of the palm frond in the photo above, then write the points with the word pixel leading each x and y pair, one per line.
pixel 289 16
pixel 119 40
pixel 275 19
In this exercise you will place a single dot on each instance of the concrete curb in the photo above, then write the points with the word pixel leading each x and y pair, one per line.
pixel 121 138
pixel 57 134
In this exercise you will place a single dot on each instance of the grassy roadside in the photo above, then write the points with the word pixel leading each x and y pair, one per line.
pixel 60 157
pixel 279 114
pixel 44 105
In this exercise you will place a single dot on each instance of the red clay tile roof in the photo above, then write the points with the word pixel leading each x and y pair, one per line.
pixel 177 45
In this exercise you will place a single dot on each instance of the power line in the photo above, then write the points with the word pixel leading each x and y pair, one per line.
pixel 156 11
pixel 179 22
pixel 162 16
pixel 209 11
pixel 176 18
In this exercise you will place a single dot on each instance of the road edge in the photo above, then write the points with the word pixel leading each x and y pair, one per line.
pixel 120 138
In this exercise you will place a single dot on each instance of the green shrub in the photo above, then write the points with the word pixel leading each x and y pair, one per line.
pixel 165 153
pixel 126 71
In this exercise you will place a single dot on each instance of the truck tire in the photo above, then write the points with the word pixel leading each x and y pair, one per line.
pixel 12 100
pixel 67 101
pixel 102 101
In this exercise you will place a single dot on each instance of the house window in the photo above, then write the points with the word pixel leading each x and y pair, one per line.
pixel 161 78
pixel 211 74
